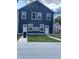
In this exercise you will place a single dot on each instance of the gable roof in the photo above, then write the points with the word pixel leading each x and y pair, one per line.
pixel 35 2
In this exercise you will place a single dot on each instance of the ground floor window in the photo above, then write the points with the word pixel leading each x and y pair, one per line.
pixel 42 27
pixel 30 27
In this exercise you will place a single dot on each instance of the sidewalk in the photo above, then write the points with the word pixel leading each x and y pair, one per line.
pixel 22 39
pixel 54 37
pixel 22 42
pixel 38 50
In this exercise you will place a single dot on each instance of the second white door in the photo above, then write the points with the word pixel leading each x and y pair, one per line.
pixel 46 29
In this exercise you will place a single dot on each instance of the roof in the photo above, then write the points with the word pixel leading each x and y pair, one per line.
pixel 24 5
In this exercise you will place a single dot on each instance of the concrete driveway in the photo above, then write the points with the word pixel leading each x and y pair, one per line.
pixel 38 50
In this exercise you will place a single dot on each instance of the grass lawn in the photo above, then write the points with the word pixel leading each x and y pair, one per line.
pixel 57 36
pixel 40 38
pixel 18 36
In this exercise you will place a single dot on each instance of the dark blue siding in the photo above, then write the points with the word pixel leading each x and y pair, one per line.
pixel 35 7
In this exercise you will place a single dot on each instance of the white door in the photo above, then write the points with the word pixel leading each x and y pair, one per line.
pixel 46 29
pixel 24 28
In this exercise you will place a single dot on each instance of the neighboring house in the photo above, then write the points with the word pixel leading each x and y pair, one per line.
pixel 57 27
pixel 35 19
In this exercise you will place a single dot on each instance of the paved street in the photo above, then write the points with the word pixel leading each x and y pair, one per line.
pixel 38 50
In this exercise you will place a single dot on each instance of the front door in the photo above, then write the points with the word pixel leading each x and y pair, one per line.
pixel 24 27
pixel 46 29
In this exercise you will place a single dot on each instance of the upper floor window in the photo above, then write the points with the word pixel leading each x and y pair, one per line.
pixel 39 16
pixel 48 16
pixel 23 15
pixel 33 15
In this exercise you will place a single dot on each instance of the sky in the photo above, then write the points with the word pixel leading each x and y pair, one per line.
pixel 54 5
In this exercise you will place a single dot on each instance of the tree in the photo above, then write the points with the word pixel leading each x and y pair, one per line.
pixel 58 19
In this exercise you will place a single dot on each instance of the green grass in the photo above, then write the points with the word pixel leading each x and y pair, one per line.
pixel 18 36
pixel 42 38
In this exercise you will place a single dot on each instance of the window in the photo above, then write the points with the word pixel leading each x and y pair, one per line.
pixel 33 15
pixel 30 27
pixel 39 16
pixel 23 15
pixel 48 16
pixel 41 27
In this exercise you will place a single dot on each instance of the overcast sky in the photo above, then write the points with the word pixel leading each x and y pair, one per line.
pixel 52 4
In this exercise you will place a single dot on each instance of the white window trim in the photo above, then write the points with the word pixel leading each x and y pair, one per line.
pixel 32 15
pixel 23 13
pixel 38 15
pixel 48 16
pixel 30 26
pixel 41 26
